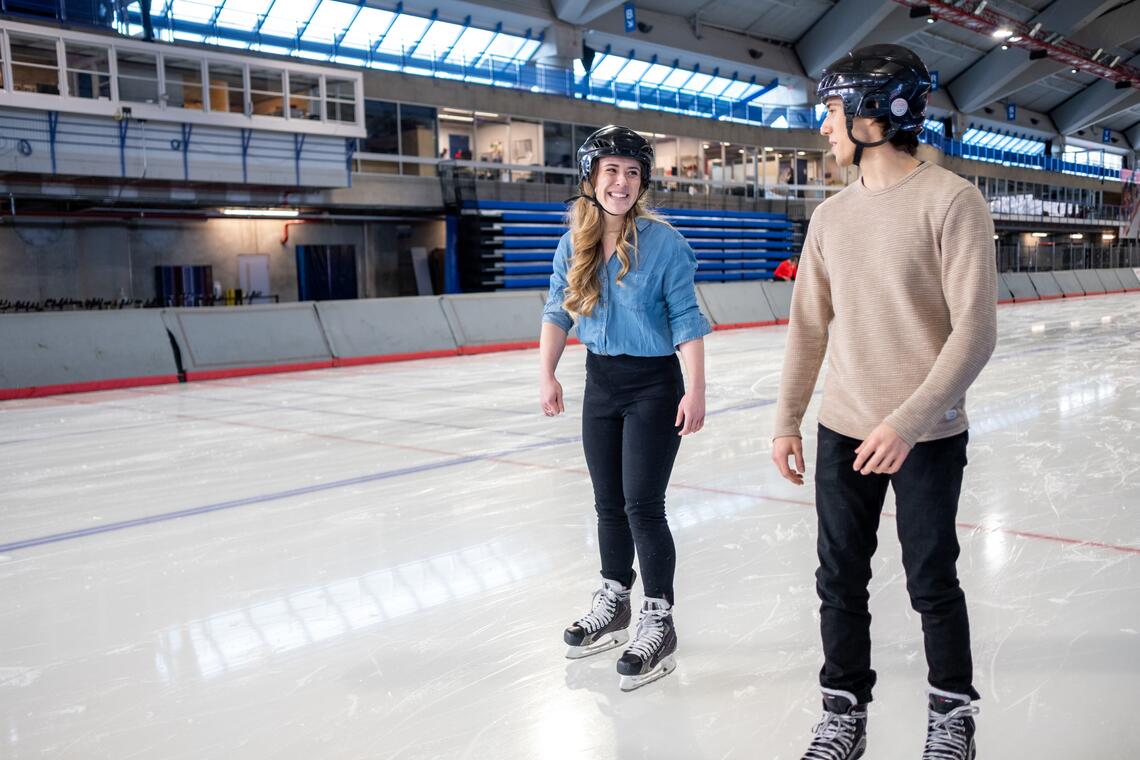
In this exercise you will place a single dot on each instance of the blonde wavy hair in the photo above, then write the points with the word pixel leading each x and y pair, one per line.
pixel 587 224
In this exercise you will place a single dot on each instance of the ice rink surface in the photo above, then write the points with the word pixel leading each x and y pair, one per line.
pixel 378 562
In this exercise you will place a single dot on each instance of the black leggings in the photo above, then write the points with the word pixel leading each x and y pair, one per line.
pixel 630 444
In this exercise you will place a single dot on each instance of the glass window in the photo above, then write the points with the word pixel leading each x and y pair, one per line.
pixel 242 14
pixel 605 67
pixel 340 96
pixel 266 92
pixel 558 144
pixel 506 47
pixel 470 46
pixel 581 133
pixel 138 77
pixel 304 96
pixel 286 19
pixel 380 120
pixel 35 64
pixel 439 39
pixel 365 32
pixel 631 72
pixel 524 147
pixel 88 71
pixel 456 134
pixel 193 11
pixel 418 138
pixel 183 81
pixel 330 20
pixel 227 88
pixel 380 123
pixel 402 37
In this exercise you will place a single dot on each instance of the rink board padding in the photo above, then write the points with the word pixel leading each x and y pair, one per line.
pixel 1110 281
pixel 1090 283
pixel 1003 294
pixel 385 327
pixel 779 296
pixel 239 340
pixel 61 352
pixel 1046 285
pixel 479 319
pixel 736 304
pixel 1021 286
pixel 1069 284
pixel 1128 278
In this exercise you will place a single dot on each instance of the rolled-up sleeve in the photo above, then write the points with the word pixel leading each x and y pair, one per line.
pixel 553 311
pixel 685 318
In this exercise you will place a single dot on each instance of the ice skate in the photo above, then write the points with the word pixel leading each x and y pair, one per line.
pixel 604 627
pixel 651 655
pixel 842 732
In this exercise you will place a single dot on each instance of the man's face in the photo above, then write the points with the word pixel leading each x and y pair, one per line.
pixel 834 128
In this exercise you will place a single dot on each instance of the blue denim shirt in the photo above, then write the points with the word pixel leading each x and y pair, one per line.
pixel 651 312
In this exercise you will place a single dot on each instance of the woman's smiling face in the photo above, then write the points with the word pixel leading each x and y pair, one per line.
pixel 617 183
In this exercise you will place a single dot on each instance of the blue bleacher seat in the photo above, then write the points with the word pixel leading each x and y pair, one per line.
pixel 517 240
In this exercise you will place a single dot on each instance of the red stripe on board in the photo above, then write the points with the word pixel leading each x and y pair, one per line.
pixel 743 325
pixel 1026 300
pixel 353 361
pixel 1008 300
pixel 37 391
pixel 1050 298
pixel 219 374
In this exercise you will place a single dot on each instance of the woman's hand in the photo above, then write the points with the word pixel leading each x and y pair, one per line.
pixel 550 396
pixel 691 412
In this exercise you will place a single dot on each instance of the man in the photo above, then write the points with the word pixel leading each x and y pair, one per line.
pixel 897 280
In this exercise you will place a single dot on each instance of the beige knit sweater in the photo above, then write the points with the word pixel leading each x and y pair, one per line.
pixel 900 285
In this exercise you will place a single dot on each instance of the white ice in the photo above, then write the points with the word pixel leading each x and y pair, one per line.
pixel 378 562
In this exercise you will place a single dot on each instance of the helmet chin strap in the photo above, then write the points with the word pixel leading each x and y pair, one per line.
pixel 860 145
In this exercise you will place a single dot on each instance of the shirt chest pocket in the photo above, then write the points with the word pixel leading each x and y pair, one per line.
pixel 634 292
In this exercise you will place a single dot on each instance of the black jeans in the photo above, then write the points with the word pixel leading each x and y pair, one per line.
pixel 848 506
pixel 630 443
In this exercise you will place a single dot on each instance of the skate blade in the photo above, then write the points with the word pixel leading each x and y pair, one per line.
pixel 664 668
pixel 607 642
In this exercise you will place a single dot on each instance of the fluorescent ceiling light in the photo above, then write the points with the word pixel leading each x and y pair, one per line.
pixel 283 213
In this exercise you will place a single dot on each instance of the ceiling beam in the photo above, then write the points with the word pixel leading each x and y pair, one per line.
pixel 839 30
pixel 1100 100
pixel 672 39
pixel 582 11
pixel 1133 135
pixel 990 77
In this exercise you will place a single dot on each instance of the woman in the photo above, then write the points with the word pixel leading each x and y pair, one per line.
pixel 626 277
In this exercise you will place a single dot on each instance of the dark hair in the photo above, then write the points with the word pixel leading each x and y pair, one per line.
pixel 907 141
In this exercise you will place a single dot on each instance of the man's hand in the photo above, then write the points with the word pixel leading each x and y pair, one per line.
pixel 784 447
pixel 550 396
pixel 882 452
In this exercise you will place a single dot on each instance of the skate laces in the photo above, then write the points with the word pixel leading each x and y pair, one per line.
pixel 834 735
pixel 650 633
pixel 603 606
pixel 946 736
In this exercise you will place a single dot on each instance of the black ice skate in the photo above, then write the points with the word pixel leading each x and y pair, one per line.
pixel 949 727
pixel 842 733
pixel 604 627
pixel 650 656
